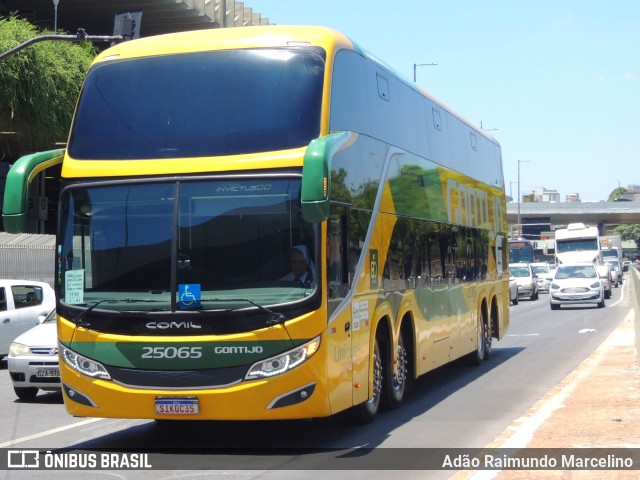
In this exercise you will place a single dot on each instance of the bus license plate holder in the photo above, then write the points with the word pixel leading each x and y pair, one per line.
pixel 187 405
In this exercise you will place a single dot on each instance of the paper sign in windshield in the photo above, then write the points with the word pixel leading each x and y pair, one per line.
pixel 74 287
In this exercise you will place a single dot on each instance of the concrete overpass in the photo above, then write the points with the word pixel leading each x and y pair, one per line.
pixel 606 215
pixel 158 16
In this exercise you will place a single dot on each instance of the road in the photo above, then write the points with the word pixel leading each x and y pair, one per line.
pixel 457 406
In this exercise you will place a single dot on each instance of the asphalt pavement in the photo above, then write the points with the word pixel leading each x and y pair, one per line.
pixel 596 406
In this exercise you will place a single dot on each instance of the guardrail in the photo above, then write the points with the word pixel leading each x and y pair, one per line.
pixel 634 273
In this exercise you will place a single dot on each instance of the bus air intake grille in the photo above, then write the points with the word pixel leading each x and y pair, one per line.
pixel 178 379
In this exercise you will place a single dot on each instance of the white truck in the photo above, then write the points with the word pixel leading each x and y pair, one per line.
pixel 23 305
pixel 611 246
pixel 578 244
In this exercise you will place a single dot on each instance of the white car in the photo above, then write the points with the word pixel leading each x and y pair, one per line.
pixel 575 284
pixel 33 360
pixel 23 305
pixel 526 279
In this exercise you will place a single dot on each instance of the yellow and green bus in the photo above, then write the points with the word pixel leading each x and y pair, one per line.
pixel 199 163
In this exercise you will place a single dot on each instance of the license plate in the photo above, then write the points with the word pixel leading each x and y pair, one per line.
pixel 48 372
pixel 177 406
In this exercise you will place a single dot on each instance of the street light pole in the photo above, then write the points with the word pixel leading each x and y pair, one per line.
pixel 415 65
pixel 519 223
pixel 55 15
pixel 511 190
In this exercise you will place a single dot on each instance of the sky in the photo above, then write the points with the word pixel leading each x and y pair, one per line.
pixel 556 82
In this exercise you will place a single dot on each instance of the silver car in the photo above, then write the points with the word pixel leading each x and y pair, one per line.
pixel 526 279
pixel 33 360
pixel 616 271
pixel 513 290
pixel 543 275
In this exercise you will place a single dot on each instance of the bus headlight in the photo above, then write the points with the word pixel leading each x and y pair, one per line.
pixel 82 364
pixel 284 362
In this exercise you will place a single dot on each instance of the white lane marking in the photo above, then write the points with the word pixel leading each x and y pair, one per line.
pixel 49 432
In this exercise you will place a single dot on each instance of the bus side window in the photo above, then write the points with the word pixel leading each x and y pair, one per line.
pixel 337 254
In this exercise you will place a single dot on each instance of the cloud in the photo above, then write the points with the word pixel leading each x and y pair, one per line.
pixel 628 76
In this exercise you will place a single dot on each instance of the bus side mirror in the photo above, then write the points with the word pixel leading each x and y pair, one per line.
pixel 316 175
pixel 16 192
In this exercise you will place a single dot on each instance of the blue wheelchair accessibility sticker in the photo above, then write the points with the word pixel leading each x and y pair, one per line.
pixel 189 295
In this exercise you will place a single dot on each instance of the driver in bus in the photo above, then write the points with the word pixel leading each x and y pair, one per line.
pixel 301 267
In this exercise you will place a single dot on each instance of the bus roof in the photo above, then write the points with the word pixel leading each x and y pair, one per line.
pixel 329 39
pixel 229 39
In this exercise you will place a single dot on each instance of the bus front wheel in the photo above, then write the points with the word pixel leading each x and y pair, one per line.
pixel 366 412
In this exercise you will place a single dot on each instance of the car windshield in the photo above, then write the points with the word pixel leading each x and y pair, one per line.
pixel 586 271
pixel 183 245
pixel 540 269
pixel 520 271
pixel 199 104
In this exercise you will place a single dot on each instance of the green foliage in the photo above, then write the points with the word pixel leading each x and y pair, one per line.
pixel 617 193
pixel 39 88
pixel 629 232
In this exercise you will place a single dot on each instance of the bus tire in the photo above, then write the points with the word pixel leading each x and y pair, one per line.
pixel 395 369
pixel 365 412
pixel 483 341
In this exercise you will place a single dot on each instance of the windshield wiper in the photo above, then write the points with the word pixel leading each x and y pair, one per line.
pixel 274 318
pixel 78 318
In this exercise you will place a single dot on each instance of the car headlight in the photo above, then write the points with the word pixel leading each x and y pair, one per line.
pixel 82 364
pixel 595 285
pixel 284 362
pixel 18 349
pixel 555 286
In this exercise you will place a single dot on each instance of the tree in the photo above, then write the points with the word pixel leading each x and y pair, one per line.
pixel 617 193
pixel 629 232
pixel 40 87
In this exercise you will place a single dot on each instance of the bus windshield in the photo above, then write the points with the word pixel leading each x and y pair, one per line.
pixel 183 245
pixel 520 251
pixel 199 104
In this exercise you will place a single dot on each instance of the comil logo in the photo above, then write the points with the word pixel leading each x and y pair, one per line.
pixel 23 459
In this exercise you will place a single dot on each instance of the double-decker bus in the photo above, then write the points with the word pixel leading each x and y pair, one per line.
pixel 199 163
pixel 520 250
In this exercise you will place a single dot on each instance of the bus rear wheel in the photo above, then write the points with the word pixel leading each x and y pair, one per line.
pixel 395 377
